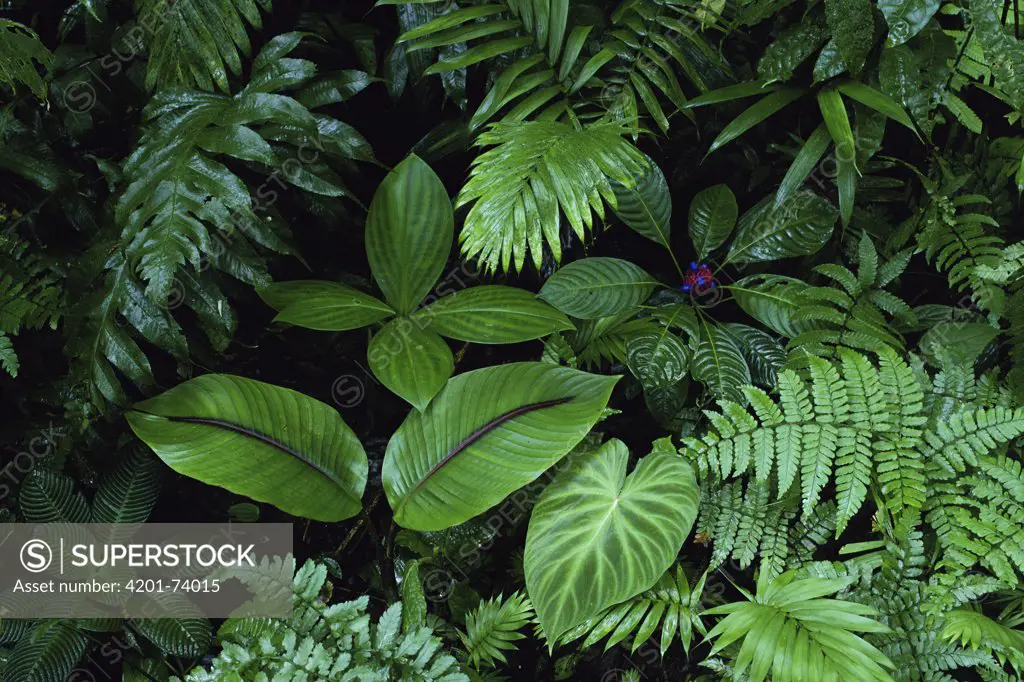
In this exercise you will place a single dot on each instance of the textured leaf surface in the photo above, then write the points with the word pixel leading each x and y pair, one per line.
pixel 712 216
pixel 412 362
pixel 597 287
pixel 263 441
pixel 798 227
pixel 658 358
pixel 598 536
pixel 719 363
pixel 326 306
pixel 486 434
pixel 647 208
pixel 409 233
pixel 906 18
pixel 492 314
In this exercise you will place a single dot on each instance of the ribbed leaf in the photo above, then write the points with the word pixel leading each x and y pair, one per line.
pixel 772 300
pixel 719 364
pixel 598 537
pixel 712 216
pixel 47 497
pixel 48 653
pixel 492 314
pixel 187 637
pixel 764 354
pixel 409 233
pixel 647 208
pixel 486 434
pixel 128 492
pixel 412 362
pixel 798 227
pixel 658 358
pixel 326 306
pixel 597 287
pixel 269 443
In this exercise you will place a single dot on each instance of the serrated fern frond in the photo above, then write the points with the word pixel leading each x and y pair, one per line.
pixel 493 627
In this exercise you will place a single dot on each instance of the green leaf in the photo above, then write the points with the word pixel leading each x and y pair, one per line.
pixel 712 216
pixel 409 233
pixel 772 300
pixel 47 497
pixel 325 306
pixel 792 48
pixel 492 314
pixel 730 93
pixel 487 433
pixel 833 110
pixel 906 18
pixel 647 208
pixel 879 101
pixel 762 109
pixel 764 354
pixel 20 51
pixel 414 601
pixel 853 26
pixel 598 537
pixel 186 637
pixel 48 653
pixel 658 358
pixel 798 227
pixel 805 162
pixel 718 363
pixel 961 342
pixel 128 492
pixel 411 361
pixel 268 443
pixel 597 287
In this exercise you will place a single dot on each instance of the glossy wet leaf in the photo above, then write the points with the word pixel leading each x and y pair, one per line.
pixel 326 306
pixel 597 287
pixel 712 216
pixel 492 314
pixel 413 362
pixel 799 227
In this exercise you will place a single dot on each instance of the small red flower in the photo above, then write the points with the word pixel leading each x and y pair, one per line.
pixel 698 278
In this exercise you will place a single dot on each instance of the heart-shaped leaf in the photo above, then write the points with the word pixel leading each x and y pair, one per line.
pixel 487 433
pixel 598 537
pixel 325 306
pixel 492 314
pixel 712 216
pixel 647 208
pixel 409 233
pixel 268 443
pixel 412 362
pixel 597 287
pixel 798 227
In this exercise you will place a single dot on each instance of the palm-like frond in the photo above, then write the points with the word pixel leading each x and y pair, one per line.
pixel 493 627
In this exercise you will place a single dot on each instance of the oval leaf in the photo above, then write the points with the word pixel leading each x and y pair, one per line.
pixel 325 306
pixel 647 208
pixel 487 433
pixel 268 443
pixel 598 537
pixel 597 287
pixel 409 233
pixel 712 216
pixel 412 362
pixel 798 227
pixel 658 359
pixel 772 300
pixel 719 364
pixel 492 314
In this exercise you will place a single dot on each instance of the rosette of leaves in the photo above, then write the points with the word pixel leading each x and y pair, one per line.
pixel 409 234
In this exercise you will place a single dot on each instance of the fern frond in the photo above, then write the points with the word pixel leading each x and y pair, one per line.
pixel 534 172
pixel 21 54
pixel 493 627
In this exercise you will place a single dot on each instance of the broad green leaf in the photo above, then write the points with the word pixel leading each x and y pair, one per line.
pixel 647 208
pixel 48 653
pixel 764 354
pixel 325 306
pixel 597 287
pixel 492 314
pixel 772 300
pixel 853 26
pixel 411 361
pixel 906 18
pixel 798 227
pixel 598 537
pixel 792 48
pixel 658 358
pixel 409 233
pixel 719 364
pixel 712 216
pixel 268 443
pixel 805 162
pixel 487 433
pixel 762 109
pixel 961 342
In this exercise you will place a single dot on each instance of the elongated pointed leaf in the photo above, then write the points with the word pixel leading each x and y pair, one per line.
pixel 806 160
pixel 325 306
pixel 409 233
pixel 268 443
pixel 879 101
pixel 757 112
pixel 729 93
pixel 598 537
pixel 597 287
pixel 833 110
pixel 487 433
pixel 647 208
pixel 772 301
pixel 798 227
pixel 492 314
pixel 713 214
pixel 412 362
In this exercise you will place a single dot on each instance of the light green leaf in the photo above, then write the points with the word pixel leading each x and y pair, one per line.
pixel 597 287
pixel 268 443
pixel 833 110
pixel 647 208
pixel 772 300
pixel 712 216
pixel 598 537
pixel 492 314
pixel 798 227
pixel 487 433
pixel 409 233
pixel 658 358
pixel 325 306
pixel 879 101
pixel 413 362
